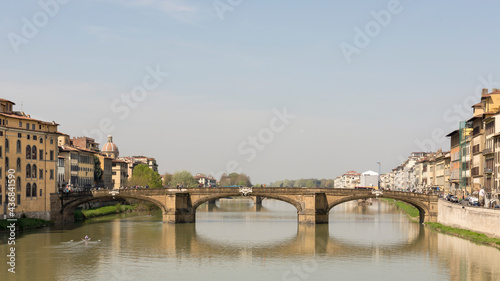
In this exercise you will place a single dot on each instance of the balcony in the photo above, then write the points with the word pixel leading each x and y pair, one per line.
pixel 487 151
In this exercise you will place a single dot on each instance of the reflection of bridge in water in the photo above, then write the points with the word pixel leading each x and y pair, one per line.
pixel 311 239
pixel 179 206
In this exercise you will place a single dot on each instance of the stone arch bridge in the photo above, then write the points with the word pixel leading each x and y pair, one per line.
pixel 179 206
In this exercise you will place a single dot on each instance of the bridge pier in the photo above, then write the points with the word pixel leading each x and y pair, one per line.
pixel 314 209
pixel 257 200
pixel 179 217
pixel 179 209
pixel 62 218
pixel 313 218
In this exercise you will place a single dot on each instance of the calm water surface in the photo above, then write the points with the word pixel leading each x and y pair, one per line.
pixel 235 240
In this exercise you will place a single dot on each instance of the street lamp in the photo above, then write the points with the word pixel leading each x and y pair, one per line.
pixel 379 168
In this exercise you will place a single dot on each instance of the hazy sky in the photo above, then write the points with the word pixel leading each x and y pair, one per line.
pixel 274 89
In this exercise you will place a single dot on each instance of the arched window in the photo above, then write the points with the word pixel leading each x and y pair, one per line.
pixel 33 154
pixel 6 145
pixel 18 165
pixel 28 171
pixel 18 184
pixel 28 190
pixel 33 171
pixel 18 146
pixel 28 152
pixel 33 190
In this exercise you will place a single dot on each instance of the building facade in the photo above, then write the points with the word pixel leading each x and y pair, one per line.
pixel 28 150
pixel 78 166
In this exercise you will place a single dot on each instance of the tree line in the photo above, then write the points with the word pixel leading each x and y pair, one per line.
pixel 311 183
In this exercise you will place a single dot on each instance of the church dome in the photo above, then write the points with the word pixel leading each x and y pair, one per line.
pixel 110 148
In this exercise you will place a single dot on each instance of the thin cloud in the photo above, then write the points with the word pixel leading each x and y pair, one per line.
pixel 179 10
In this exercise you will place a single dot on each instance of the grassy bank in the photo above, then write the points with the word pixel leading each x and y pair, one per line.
pixel 103 211
pixel 466 234
pixel 25 223
pixel 409 210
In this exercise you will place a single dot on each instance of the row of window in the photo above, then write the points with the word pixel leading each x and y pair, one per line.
pixel 31 152
pixel 19 135
pixel 28 126
pixel 82 181
pixel 75 168
pixel 31 190
pixel 31 170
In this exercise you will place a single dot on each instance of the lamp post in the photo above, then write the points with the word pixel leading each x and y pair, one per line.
pixel 379 168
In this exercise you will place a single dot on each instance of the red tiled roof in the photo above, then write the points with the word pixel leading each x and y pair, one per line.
pixel 13 115
pixel 7 101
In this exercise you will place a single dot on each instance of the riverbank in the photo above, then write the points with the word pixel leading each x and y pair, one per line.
pixel 103 211
pixel 478 238
pixel 25 224
pixel 477 219
pixel 475 237
pixel 411 212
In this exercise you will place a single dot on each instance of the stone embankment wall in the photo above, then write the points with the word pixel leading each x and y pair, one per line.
pixel 475 219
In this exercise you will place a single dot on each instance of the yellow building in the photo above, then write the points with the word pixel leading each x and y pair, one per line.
pixel 28 148
pixel 79 165
pixel 119 174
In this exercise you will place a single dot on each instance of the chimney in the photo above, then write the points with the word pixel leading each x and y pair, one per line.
pixel 484 92
pixel 495 90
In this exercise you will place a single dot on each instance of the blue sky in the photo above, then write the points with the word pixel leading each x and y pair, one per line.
pixel 226 75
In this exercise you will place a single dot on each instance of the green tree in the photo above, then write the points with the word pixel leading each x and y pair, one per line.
pixel 167 178
pixel 142 175
pixel 235 179
pixel 183 178
pixel 97 171
pixel 329 184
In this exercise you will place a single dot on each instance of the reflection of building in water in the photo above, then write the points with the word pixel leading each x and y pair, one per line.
pixel 482 262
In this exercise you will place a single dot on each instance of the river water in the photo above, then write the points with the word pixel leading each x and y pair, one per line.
pixel 234 240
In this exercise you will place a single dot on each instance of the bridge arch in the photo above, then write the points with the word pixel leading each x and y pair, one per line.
pixel 422 209
pixel 208 198
pixel 71 206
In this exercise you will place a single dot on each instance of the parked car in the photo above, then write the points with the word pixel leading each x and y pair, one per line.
pixel 474 201
pixel 454 199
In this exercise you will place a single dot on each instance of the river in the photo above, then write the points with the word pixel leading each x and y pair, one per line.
pixel 235 240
